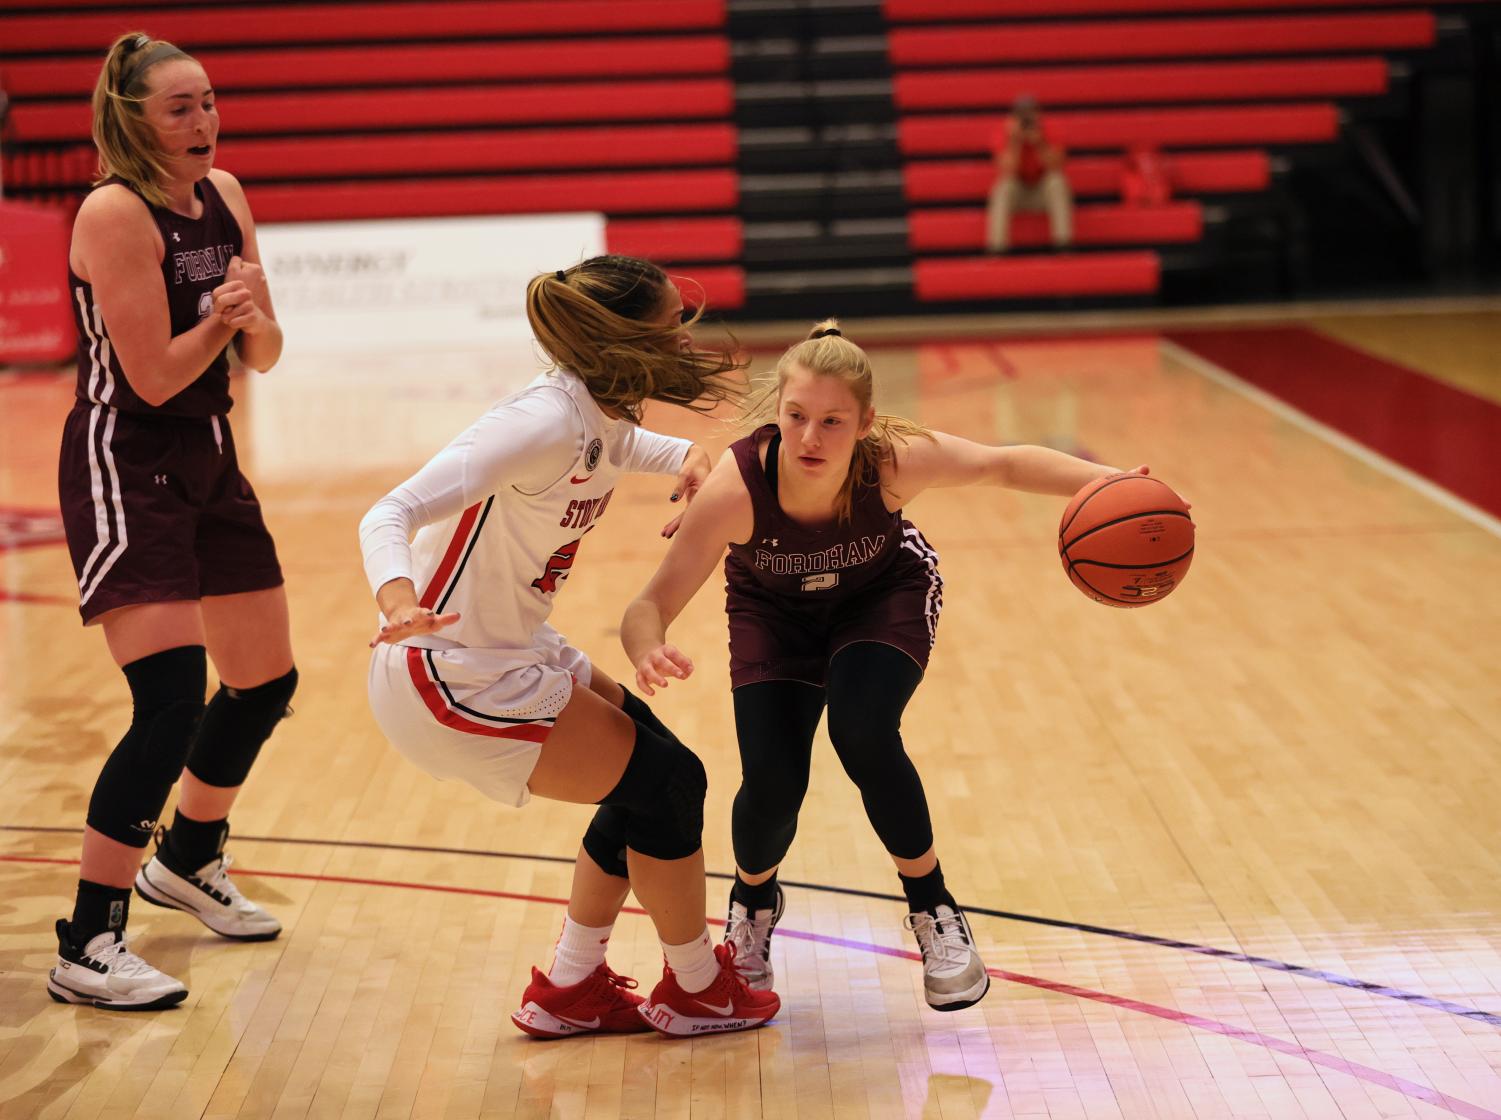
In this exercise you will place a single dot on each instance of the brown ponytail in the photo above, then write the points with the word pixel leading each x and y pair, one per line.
pixel 601 320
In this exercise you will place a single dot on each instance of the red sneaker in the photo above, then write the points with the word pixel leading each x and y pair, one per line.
pixel 725 1005
pixel 598 1004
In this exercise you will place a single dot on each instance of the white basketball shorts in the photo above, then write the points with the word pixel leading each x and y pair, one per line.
pixel 475 715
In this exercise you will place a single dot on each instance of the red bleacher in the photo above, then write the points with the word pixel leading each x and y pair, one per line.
pixel 1185 38
pixel 642 192
pixel 955 180
pixel 1195 81
pixel 1120 128
pixel 345 110
pixel 941 11
pixel 1081 274
pixel 243 25
pixel 429 64
pixel 677 239
pixel 945 230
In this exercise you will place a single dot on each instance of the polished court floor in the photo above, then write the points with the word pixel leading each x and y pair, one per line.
pixel 1234 855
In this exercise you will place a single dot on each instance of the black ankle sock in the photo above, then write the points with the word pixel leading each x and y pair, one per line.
pixel 758 896
pixel 190 844
pixel 96 909
pixel 924 892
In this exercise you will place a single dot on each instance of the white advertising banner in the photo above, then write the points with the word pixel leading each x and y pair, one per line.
pixel 415 283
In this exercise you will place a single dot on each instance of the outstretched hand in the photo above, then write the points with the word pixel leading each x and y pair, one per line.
pixel 408 622
pixel 653 671
pixel 690 479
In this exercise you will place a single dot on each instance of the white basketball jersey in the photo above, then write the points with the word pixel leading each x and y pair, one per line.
pixel 505 509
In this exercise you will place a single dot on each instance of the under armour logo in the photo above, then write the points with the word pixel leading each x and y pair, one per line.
pixel 161 479
pixel 773 541
pixel 176 236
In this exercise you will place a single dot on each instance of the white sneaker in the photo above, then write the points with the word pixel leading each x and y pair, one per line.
pixel 210 895
pixel 106 974
pixel 750 934
pixel 953 975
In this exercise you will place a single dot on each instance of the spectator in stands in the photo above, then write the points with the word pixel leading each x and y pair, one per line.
pixel 1029 176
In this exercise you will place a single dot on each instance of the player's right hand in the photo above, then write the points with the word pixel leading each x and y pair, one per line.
pixel 408 622
pixel 661 663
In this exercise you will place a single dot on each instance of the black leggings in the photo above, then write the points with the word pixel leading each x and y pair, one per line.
pixel 869 685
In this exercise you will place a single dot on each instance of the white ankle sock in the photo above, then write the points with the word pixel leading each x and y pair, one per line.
pixel 694 964
pixel 580 950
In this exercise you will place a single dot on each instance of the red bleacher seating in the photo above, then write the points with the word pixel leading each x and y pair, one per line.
pixel 954 180
pixel 964 228
pixel 243 25
pixel 426 64
pixel 344 110
pixel 489 151
pixel 723 288
pixel 640 192
pixel 1119 128
pixel 1163 38
pixel 941 11
pixel 1072 274
pixel 676 239
pixel 1159 82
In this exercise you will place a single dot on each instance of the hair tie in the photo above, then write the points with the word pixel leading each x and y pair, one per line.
pixel 826 331
pixel 560 277
pixel 140 61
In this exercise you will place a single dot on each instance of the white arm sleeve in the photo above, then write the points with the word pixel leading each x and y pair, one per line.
pixel 528 442
pixel 644 452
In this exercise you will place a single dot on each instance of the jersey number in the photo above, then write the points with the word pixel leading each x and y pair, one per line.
pixel 557 568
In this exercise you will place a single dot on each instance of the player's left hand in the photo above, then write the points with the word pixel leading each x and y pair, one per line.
pixel 696 466
pixel 236 307
pixel 1144 469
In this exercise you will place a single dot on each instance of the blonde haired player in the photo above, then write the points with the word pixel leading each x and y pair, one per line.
pixel 833 600
pixel 470 683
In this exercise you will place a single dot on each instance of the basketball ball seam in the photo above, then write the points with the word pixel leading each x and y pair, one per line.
pixel 1119 520
pixel 1122 478
pixel 1072 563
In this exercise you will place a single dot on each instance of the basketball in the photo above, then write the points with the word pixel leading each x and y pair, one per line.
pixel 1126 540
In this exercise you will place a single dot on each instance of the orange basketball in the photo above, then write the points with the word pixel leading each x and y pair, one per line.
pixel 1126 540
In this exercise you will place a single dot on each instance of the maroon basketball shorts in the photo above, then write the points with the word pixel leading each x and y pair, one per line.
pixel 779 638
pixel 156 510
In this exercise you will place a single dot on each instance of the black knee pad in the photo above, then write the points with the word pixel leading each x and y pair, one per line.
pixel 167 693
pixel 235 725
pixel 604 840
pixel 662 793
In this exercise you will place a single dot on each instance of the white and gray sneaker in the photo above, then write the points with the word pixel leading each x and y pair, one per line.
pixel 104 973
pixel 209 894
pixel 953 975
pixel 750 934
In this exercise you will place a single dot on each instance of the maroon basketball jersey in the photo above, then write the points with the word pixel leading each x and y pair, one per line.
pixel 198 253
pixel 785 558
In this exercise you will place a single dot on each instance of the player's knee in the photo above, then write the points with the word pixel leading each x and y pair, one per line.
pixel 770 798
pixel 868 747
pixel 237 724
pixel 604 840
pixel 166 691
pixel 662 792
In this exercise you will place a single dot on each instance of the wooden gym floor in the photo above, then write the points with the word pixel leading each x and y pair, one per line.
pixel 1236 855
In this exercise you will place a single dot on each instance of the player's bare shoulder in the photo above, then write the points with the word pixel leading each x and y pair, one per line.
pixel 723 505
pixel 112 220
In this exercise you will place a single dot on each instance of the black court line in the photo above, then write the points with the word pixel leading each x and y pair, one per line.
pixel 1415 998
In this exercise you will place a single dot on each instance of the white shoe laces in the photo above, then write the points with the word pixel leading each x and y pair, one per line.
pixel 942 938
pixel 121 961
pixel 751 938
pixel 221 882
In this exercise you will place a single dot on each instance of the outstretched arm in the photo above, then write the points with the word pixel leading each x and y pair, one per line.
pixel 721 514
pixel 949 460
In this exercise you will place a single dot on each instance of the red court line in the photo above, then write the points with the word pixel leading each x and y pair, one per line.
pixel 1401 1085
pixel 1432 428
